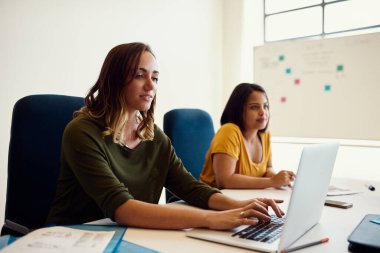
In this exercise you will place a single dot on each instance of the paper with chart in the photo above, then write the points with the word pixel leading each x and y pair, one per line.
pixel 61 239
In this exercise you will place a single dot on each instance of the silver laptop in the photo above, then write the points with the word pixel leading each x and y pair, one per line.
pixel 305 206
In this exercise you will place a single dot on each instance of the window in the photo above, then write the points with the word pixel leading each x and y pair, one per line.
pixel 294 19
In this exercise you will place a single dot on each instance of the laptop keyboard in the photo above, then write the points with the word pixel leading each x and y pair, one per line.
pixel 263 232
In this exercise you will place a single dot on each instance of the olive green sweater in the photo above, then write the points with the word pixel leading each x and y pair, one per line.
pixel 98 175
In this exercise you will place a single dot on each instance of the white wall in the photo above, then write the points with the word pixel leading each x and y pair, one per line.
pixel 54 46
pixel 242 30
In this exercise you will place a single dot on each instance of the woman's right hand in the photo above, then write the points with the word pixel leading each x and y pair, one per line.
pixel 250 214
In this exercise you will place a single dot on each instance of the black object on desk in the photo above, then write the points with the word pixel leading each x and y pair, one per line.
pixel 365 237
pixel 370 187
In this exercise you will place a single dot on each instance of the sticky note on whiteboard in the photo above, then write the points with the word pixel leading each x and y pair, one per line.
pixel 327 87
pixel 339 67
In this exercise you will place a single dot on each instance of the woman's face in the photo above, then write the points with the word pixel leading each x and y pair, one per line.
pixel 141 91
pixel 256 113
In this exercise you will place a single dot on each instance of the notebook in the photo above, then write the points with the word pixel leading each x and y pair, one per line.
pixel 305 206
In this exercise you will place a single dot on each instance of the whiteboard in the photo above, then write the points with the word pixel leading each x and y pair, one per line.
pixel 327 88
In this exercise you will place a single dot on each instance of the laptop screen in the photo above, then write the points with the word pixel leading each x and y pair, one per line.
pixel 309 191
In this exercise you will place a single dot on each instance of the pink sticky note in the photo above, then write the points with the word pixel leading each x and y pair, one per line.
pixel 283 99
pixel 297 81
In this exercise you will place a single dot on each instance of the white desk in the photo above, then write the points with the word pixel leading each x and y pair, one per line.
pixel 335 223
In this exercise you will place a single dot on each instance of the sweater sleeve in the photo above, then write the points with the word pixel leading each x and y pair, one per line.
pixel 183 184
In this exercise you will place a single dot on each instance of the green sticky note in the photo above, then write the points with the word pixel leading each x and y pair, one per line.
pixel 281 57
pixel 339 68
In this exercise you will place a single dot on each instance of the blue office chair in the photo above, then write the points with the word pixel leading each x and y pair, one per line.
pixel 191 132
pixel 38 122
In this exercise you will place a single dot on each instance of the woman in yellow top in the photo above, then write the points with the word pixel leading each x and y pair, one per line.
pixel 240 153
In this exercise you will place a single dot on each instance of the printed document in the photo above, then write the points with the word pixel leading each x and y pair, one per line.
pixel 61 239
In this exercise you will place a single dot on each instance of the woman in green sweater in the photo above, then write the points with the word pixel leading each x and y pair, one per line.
pixel 116 161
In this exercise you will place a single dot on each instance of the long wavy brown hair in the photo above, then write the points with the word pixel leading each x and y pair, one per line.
pixel 106 99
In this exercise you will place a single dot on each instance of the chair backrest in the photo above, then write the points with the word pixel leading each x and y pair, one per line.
pixel 191 132
pixel 38 122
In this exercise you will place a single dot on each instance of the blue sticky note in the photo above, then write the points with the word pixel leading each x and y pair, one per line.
pixel 376 221
pixel 327 87
pixel 288 71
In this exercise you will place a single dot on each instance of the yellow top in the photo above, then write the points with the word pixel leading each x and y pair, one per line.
pixel 229 140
